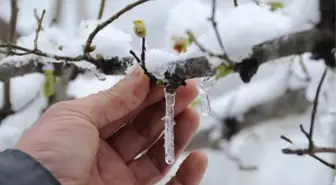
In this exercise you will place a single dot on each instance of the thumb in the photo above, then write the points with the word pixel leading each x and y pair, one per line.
pixel 125 96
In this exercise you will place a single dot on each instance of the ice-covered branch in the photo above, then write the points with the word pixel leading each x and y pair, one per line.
pixel 11 67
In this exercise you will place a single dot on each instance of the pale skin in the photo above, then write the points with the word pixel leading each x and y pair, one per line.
pixel 95 140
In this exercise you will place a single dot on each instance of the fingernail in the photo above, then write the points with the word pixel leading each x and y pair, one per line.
pixel 134 70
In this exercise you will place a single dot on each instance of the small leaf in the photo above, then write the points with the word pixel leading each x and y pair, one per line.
pixel 159 82
pixel 60 48
pixel 276 5
pixel 92 48
pixel 99 56
pixel 195 103
pixel 222 71
pixel 139 28
pixel 50 80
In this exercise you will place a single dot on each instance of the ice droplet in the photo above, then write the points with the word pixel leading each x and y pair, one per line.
pixel 205 86
pixel 169 127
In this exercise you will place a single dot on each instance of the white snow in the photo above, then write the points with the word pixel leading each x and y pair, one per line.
pixel 182 17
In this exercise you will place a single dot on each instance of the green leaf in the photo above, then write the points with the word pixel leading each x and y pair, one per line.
pixel 276 5
pixel 222 71
pixel 195 103
pixel 92 48
pixel 50 80
pixel 99 56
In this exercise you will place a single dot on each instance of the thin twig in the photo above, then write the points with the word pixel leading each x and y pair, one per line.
pixel 286 139
pixel 312 150
pixel 203 49
pixel 12 24
pixel 305 132
pixel 39 27
pixel 101 9
pixel 142 65
pixel 306 151
pixel 43 54
pixel 313 115
pixel 332 166
pixel 235 2
pixel 101 26
pixel 214 26
pixel 7 106
pixel 143 51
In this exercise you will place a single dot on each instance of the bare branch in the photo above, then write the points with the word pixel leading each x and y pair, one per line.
pixel 235 2
pixel 291 44
pixel 39 27
pixel 214 25
pixel 101 9
pixel 312 149
pixel 12 24
pixel 223 56
pixel 203 49
pixel 313 115
pixel 306 151
pixel 6 109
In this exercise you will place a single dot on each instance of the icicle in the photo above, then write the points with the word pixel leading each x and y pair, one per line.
pixel 205 86
pixel 169 127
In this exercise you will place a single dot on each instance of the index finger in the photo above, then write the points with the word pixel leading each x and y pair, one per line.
pixel 110 105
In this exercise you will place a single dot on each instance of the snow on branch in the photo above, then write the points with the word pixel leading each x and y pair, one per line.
pixel 11 67
pixel 293 44
pixel 316 41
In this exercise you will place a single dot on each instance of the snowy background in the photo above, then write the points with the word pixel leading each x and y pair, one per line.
pixel 240 28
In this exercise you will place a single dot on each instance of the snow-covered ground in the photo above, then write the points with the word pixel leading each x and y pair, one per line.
pixel 240 29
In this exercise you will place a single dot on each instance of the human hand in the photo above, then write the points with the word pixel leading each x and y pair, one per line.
pixel 95 140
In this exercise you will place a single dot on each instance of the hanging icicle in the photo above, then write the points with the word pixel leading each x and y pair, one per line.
pixel 169 127
pixel 205 86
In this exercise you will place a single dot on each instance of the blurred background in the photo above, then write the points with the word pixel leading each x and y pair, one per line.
pixel 242 135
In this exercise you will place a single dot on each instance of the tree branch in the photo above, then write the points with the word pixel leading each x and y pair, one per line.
pixel 38 29
pixel 184 69
pixel 292 44
pixel 306 151
pixel 6 109
pixel 235 2
pixel 101 9
pixel 12 24
pixel 313 115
